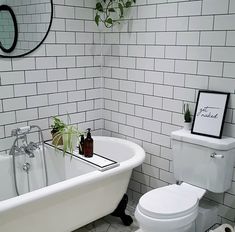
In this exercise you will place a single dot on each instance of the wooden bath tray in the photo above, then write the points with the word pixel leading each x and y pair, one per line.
pixel 100 162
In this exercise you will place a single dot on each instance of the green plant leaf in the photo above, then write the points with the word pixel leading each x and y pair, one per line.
pixel 109 21
pixel 58 124
pixel 128 4
pixel 120 6
pixel 112 10
pixel 187 114
pixel 99 7
pixel 97 19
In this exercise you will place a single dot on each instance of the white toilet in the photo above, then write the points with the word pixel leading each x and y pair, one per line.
pixel 200 163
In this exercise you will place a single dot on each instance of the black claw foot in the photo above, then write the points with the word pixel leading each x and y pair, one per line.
pixel 127 220
pixel 120 211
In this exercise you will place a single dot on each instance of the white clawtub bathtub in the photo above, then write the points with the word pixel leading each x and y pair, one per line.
pixel 78 193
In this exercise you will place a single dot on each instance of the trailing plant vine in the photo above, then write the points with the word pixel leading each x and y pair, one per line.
pixel 110 12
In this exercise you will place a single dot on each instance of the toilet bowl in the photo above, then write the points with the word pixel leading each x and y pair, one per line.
pixel 173 208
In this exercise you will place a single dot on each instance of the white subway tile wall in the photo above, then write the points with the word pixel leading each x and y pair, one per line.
pixel 165 53
pixel 62 77
pixel 151 65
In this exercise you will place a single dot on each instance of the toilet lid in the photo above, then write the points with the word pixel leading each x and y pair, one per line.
pixel 168 202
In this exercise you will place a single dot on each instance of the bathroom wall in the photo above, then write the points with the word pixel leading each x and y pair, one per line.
pixel 153 63
pixel 158 61
pixel 62 76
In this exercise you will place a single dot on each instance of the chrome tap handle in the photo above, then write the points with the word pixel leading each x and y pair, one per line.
pixel 33 146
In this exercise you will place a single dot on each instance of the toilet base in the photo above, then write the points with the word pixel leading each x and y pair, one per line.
pixel 207 215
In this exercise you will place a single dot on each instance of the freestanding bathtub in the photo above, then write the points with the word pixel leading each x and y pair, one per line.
pixel 78 193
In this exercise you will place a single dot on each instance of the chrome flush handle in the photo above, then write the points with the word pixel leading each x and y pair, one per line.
pixel 214 155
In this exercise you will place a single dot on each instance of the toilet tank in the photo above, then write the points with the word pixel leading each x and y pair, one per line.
pixel 203 161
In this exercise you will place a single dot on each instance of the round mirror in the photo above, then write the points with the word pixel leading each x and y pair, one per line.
pixel 30 18
pixel 8 28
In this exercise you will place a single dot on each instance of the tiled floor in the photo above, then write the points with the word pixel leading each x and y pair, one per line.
pixel 111 224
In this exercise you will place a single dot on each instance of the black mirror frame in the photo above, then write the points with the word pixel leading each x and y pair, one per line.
pixel 7 8
pixel 49 27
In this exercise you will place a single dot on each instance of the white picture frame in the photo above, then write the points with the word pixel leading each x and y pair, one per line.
pixel 210 113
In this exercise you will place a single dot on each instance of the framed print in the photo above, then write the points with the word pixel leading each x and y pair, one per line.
pixel 210 113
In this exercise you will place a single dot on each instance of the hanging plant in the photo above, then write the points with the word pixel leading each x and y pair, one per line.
pixel 110 12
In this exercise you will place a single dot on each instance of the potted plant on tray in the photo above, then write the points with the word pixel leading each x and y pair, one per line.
pixel 187 117
pixel 66 136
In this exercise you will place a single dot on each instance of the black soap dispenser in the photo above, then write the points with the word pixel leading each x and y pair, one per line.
pixel 81 145
pixel 88 144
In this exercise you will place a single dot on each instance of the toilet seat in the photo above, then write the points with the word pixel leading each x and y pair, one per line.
pixel 170 208
pixel 168 202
